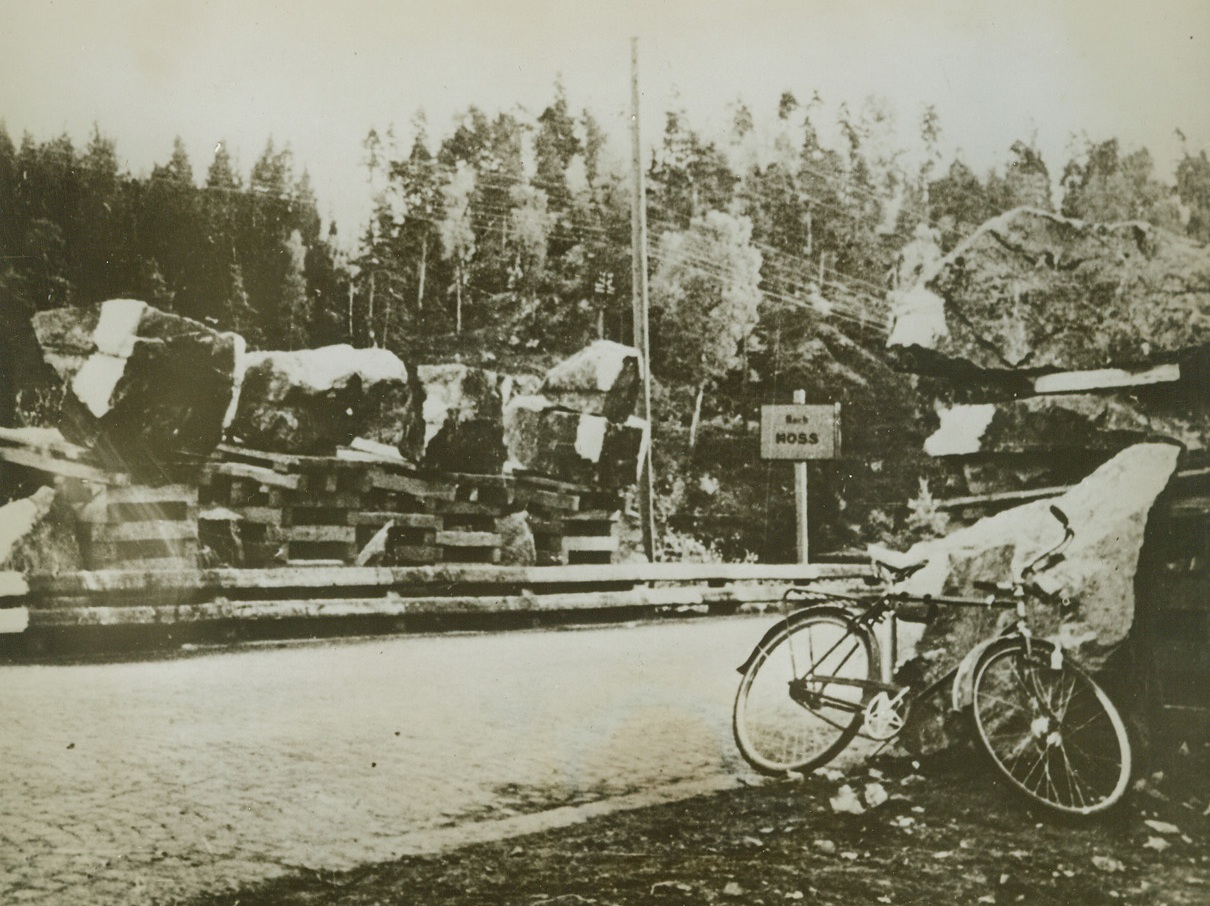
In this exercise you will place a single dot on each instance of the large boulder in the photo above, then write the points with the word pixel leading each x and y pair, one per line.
pixel 463 419
pixel 603 379
pixel 1033 291
pixel 147 389
pixel 573 446
pixel 311 401
pixel 1108 512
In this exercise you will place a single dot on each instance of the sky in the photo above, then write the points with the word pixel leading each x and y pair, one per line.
pixel 317 76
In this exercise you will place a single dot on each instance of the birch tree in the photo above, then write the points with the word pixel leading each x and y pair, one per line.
pixel 457 231
pixel 707 284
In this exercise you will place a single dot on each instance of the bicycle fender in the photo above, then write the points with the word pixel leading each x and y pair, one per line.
pixel 964 678
pixel 797 617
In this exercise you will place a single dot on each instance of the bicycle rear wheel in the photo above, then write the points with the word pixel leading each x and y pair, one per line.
pixel 802 697
pixel 1052 731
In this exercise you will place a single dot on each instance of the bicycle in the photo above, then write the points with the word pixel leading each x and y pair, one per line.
pixel 817 680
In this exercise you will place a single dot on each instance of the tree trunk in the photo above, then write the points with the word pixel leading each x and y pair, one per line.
pixel 424 258
pixel 697 416
pixel 458 301
pixel 370 314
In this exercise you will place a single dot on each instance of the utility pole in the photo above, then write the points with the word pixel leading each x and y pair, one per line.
pixel 800 497
pixel 638 239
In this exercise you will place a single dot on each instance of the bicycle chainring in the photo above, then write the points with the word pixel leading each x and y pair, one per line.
pixel 885 716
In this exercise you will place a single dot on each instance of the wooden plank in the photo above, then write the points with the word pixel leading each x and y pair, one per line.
pixel 415 553
pixel 407 484
pixel 1104 379
pixel 592 516
pixel 157 530
pixel 401 520
pixel 44 440
pixel 474 480
pixel 536 480
pixel 231 579
pixel 258 474
pixel 291 500
pixel 467 508
pixel 318 608
pixel 954 503
pixel 346 533
pixel 154 547
pixel 362 450
pixel 1189 507
pixel 262 515
pixel 604 543
pixel 468 539
pixel 102 512
pixel 141 493
pixel 64 467
pixel 548 500
pixel 166 564
pixel 284 462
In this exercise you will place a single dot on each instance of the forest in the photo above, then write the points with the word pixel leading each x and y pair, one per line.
pixel 505 242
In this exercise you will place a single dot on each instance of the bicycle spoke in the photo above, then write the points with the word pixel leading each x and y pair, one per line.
pixel 1073 780
pixel 987 696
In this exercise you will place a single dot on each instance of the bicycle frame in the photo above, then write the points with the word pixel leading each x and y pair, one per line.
pixel 875 611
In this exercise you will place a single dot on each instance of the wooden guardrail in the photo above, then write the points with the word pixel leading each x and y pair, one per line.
pixel 163 597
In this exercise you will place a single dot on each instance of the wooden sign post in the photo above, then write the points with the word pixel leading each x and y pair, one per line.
pixel 798 433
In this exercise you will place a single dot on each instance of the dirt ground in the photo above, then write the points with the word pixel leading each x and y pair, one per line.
pixel 947 833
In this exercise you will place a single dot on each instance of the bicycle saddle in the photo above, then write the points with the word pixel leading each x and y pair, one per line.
pixel 898 565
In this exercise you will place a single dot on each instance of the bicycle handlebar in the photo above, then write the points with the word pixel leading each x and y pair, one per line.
pixel 1054 556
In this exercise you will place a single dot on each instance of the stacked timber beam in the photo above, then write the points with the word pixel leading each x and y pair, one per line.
pixel 263 508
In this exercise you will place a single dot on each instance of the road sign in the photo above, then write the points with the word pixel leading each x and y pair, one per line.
pixel 799 432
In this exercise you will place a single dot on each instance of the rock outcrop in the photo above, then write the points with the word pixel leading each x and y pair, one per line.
pixel 1031 290
pixel 603 378
pixel 146 389
pixel 464 419
pixel 311 401
pixel 573 446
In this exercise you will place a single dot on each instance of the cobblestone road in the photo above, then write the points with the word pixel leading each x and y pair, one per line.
pixel 145 782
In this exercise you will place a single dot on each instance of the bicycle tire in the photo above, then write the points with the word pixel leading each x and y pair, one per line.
pixel 1053 733
pixel 776 733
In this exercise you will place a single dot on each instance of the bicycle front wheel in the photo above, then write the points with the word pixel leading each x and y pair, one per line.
pixel 802 697
pixel 1050 729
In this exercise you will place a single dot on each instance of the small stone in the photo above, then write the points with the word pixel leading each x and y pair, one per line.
pixel 1107 864
pixel 1162 827
pixel 875 794
pixel 846 802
